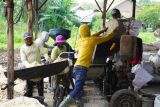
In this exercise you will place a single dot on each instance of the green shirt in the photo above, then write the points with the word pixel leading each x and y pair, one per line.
pixel 56 52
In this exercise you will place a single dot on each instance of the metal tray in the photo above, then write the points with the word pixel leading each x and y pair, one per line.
pixel 40 71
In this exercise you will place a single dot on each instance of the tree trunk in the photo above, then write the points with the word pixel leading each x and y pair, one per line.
pixel 104 13
pixel 36 17
pixel 10 27
pixel 30 16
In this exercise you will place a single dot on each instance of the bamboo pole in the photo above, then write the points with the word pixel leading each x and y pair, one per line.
pixel 10 69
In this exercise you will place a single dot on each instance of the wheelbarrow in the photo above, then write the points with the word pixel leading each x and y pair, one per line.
pixel 40 71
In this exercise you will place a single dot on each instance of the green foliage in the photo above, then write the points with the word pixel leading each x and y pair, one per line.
pixel 108 15
pixel 150 14
pixel 19 30
pixel 1 9
pixel 97 23
pixel 144 2
pixel 58 15
pixel 74 36
pixel 147 37
pixel 53 15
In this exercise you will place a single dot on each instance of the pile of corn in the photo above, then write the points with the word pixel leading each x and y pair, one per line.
pixel 22 102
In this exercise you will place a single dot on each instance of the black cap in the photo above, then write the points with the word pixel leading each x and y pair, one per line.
pixel 116 13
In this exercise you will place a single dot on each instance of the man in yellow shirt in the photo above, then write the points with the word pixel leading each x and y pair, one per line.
pixel 86 46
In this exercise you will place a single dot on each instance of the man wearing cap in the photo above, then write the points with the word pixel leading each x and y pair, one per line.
pixel 57 50
pixel 31 52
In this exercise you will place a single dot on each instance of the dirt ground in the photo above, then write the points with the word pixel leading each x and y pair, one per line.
pixel 4 59
pixel 92 97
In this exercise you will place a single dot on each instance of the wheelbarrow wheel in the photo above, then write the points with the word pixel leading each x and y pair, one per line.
pixel 123 98
pixel 59 95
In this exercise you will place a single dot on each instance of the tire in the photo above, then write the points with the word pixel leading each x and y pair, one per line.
pixel 59 95
pixel 123 98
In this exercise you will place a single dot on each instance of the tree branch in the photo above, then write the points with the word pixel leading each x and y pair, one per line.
pixel 18 16
pixel 42 4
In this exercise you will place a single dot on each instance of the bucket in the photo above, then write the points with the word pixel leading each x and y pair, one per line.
pixel 148 101
pixel 157 101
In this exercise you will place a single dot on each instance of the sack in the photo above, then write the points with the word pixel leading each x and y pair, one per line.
pixel 133 26
pixel 127 47
pixel 155 59
pixel 141 76
pixel 148 66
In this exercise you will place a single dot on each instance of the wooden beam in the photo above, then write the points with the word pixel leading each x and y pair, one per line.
pixel 134 8
pixel 36 17
pixel 30 15
pixel 10 69
pixel 104 14
pixel 110 5
pixel 98 6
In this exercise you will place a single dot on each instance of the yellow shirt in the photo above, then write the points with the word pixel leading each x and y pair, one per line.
pixel 87 43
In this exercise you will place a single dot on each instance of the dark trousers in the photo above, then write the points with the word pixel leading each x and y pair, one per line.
pixel 31 84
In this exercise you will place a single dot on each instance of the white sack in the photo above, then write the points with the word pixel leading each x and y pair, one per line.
pixel 155 59
pixel 148 66
pixel 141 76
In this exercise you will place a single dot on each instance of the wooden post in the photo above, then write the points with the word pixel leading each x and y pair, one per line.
pixel 36 17
pixel 104 13
pixel 30 16
pixel 134 8
pixel 10 27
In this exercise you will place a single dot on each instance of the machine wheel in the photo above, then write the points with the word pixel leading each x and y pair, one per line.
pixel 123 98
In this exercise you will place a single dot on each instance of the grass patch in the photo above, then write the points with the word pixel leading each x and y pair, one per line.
pixel 147 37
